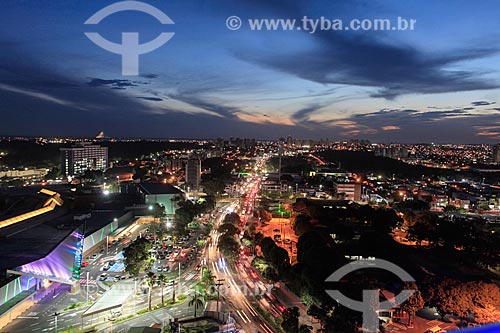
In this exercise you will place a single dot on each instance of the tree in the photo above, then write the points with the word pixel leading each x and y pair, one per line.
pixel 184 215
pixel 266 245
pixel 229 247
pixel 271 274
pixel 301 224
pixel 343 320
pixel 384 220
pixel 92 177
pixel 137 256
pixel 232 218
pixel 150 281
pixel 214 187
pixel 158 214
pixel 425 228
pixel 305 329
pixel 258 238
pixel 290 322
pixel 197 301
pixel 462 299
pixel 278 258
pixel 54 173
pixel 207 279
pixel 414 303
pixel 228 229
pixel 162 279
pixel 409 219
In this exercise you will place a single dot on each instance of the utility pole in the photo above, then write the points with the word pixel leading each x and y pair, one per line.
pixel 179 283
pixel 55 320
pixel 218 284
pixel 88 286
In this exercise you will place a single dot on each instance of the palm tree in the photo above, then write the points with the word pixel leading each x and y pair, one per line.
pixel 207 280
pixel 150 280
pixel 197 301
pixel 163 280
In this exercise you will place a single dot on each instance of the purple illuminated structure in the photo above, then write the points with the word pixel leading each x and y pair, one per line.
pixel 62 264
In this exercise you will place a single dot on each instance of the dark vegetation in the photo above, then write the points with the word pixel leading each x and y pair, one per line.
pixel 30 153
pixel 367 162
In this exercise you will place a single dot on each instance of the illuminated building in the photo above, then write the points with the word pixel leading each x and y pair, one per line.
pixel 351 190
pixel 193 174
pixel 496 154
pixel 85 156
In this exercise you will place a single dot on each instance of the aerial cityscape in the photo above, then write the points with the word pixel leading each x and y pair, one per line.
pixel 172 166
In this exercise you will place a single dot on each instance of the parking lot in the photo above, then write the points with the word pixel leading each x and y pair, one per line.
pixel 281 231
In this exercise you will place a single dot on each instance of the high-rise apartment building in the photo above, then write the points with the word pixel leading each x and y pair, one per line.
pixel 193 174
pixel 85 156
pixel 496 154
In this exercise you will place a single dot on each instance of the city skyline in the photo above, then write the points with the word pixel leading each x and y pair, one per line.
pixel 436 83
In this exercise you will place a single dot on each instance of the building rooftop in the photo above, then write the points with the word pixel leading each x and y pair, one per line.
pixel 35 238
pixel 158 188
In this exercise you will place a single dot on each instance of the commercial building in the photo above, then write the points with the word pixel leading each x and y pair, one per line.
pixel 44 240
pixel 27 173
pixel 193 174
pixel 166 195
pixel 85 156
pixel 351 190
pixel 41 249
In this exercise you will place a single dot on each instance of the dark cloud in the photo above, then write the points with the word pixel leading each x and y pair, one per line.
pixel 116 83
pixel 154 99
pixel 443 126
pixel 372 60
pixel 303 114
pixel 150 76
pixel 405 115
pixel 482 103
pixel 205 104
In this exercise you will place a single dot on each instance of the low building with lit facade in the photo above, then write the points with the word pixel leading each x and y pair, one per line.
pixel 47 244
pixel 164 194
pixel 351 190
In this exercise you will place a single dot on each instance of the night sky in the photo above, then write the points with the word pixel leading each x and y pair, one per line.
pixel 438 83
